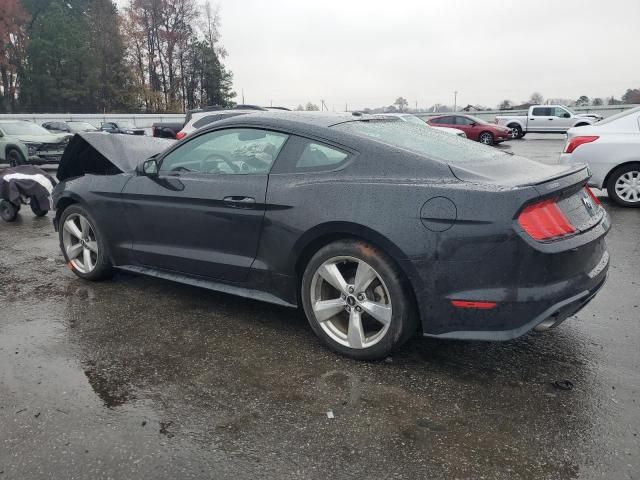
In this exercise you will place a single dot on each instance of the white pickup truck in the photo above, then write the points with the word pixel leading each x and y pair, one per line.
pixel 546 119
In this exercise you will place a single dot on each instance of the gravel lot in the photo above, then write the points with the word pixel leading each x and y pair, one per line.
pixel 142 378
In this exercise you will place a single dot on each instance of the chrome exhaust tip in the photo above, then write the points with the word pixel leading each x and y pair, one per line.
pixel 545 325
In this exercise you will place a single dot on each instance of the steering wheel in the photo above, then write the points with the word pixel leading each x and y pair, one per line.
pixel 217 156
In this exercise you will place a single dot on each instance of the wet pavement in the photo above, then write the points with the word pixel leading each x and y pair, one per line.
pixel 142 378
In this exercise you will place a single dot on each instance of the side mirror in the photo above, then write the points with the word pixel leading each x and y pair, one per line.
pixel 473 124
pixel 149 168
pixel 567 115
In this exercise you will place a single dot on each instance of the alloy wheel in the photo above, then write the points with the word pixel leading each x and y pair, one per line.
pixel 351 302
pixel 80 243
pixel 628 186
pixel 486 138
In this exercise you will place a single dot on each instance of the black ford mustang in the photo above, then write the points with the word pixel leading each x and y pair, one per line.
pixel 378 228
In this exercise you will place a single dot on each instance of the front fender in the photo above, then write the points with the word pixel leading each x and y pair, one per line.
pixel 14 144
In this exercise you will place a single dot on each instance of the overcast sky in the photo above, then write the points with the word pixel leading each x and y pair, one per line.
pixel 368 52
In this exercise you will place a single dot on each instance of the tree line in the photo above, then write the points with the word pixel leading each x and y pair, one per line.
pixel 85 56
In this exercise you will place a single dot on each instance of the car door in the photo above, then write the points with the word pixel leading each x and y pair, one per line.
pixel 202 213
pixel 541 119
pixel 467 125
pixel 562 119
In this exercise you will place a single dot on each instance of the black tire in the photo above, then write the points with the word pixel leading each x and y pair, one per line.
pixel 35 208
pixel 103 267
pixel 516 131
pixel 486 138
pixel 403 323
pixel 613 179
pixel 15 157
pixel 8 211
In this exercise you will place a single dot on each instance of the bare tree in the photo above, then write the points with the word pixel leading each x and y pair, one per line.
pixel 536 98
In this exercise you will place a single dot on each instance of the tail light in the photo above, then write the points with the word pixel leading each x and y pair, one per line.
pixel 180 135
pixel 593 196
pixel 545 221
pixel 575 142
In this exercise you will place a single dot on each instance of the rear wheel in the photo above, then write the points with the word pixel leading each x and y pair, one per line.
pixel 8 211
pixel 35 208
pixel 15 157
pixel 485 138
pixel 516 131
pixel 82 245
pixel 623 185
pixel 355 301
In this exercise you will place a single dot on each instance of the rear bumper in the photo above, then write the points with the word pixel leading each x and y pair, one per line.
pixel 553 316
pixel 528 287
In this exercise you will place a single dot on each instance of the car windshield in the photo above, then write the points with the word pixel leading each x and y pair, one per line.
pixel 127 125
pixel 23 128
pixel 81 126
pixel 569 110
pixel 423 141
pixel 617 116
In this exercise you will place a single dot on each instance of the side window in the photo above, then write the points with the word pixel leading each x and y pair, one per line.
pixel 234 151
pixel 318 157
pixel 541 112
pixel 561 112
pixel 446 121
pixel 462 121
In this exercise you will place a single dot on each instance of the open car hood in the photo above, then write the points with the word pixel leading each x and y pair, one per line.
pixel 105 154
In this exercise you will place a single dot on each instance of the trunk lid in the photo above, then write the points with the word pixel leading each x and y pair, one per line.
pixel 513 171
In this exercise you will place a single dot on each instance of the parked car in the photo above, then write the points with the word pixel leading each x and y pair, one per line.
pixel 121 126
pixel 166 129
pixel 378 229
pixel 23 142
pixel 70 126
pixel 201 119
pixel 413 119
pixel 546 119
pixel 474 128
pixel 611 150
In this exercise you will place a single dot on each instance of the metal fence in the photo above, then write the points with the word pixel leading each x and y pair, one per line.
pixel 604 110
pixel 146 120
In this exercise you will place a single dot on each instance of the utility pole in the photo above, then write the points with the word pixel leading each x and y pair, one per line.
pixel 243 95
pixel 455 100
pixel 271 105
pixel 346 107
pixel 416 105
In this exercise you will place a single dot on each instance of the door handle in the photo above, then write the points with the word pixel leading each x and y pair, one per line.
pixel 239 202
pixel 550 119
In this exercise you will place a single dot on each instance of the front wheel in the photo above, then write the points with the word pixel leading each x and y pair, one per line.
pixel 356 302
pixel 485 138
pixel 82 244
pixel 8 211
pixel 623 186
pixel 15 158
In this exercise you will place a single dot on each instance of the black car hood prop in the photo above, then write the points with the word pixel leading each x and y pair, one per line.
pixel 107 154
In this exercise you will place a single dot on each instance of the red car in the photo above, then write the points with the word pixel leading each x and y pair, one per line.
pixel 475 128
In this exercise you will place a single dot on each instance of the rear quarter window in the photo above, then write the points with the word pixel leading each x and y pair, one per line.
pixel 317 156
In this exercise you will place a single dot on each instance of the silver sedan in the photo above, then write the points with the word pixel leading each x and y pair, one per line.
pixel 611 150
